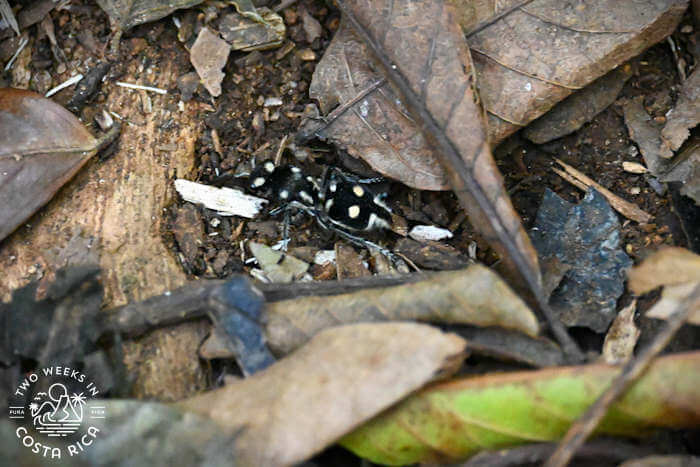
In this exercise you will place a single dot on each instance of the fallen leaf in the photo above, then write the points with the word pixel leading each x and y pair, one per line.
pixel 668 266
pixel 295 408
pixel 278 266
pixel 678 270
pixel 452 421
pixel 208 56
pixel 663 461
pixel 586 238
pixel 579 108
pixel 685 168
pixel 125 14
pixel 432 255
pixel 541 52
pixel 685 115
pixel 422 52
pixel 475 295
pixel 348 263
pixel 622 336
pixel 377 128
pixel 43 146
pixel 671 297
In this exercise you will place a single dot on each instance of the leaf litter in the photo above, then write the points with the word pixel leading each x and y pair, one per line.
pixel 206 217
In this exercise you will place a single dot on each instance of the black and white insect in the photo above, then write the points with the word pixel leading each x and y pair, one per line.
pixel 339 201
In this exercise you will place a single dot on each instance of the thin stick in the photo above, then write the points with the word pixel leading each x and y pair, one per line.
pixel 582 181
pixel 584 426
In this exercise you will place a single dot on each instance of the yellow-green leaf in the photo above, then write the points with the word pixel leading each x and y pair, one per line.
pixel 454 420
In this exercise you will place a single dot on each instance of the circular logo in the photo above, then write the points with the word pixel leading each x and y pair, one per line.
pixel 53 408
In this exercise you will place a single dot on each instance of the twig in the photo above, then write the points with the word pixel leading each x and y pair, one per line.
pixel 69 82
pixel 7 14
pixel 603 449
pixel 584 426
pixel 464 179
pixel 582 181
pixel 142 88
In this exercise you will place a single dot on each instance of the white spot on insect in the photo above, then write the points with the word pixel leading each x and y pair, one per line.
pixel 284 194
pixel 376 222
pixel 269 167
pixel 258 182
pixel 296 170
pixel 333 186
pixel 358 190
pixel 329 204
pixel 309 178
pixel 354 211
pixel 306 197
pixel 379 201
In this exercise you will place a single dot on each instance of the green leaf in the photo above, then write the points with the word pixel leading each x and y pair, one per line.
pixel 454 420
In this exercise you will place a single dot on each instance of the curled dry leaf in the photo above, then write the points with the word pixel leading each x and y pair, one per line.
pixel 451 421
pixel 475 295
pixel 678 270
pixel 343 377
pixel 43 146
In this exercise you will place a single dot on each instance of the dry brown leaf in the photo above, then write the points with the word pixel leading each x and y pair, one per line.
pixel 669 266
pixel 622 336
pixel 647 136
pixel 125 14
pixel 422 52
pixel 377 128
pixel 685 115
pixel 343 377
pixel 540 53
pixel 671 297
pixel 475 295
pixel 43 146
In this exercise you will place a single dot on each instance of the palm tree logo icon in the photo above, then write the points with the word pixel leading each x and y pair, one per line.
pixel 56 413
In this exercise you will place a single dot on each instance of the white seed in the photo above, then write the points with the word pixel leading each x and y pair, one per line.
pixel 354 211
pixel 358 190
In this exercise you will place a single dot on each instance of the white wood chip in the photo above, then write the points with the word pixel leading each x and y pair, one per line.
pixel 429 232
pixel 225 201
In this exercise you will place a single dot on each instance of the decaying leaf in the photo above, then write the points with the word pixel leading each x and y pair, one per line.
pixel 208 56
pixel 377 128
pixel 125 14
pixel 570 114
pixel 540 53
pixel 685 115
pixel 678 270
pixel 344 376
pixel 647 136
pixel 451 421
pixel 475 295
pixel 622 336
pixel 668 266
pixel 422 52
pixel 43 146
